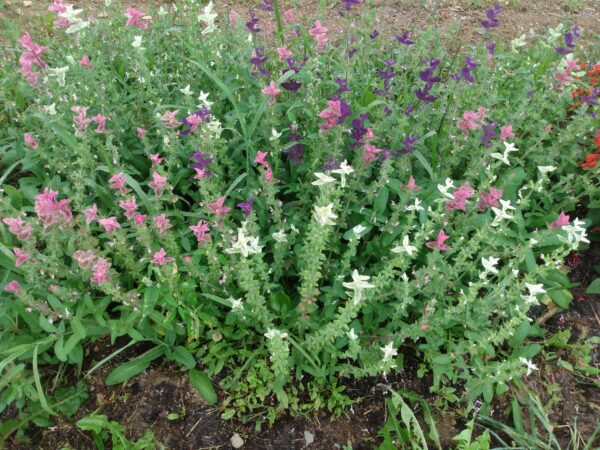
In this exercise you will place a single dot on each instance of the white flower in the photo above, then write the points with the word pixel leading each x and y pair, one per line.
pixel 60 74
pixel 162 11
pixel 236 304
pixel 246 245
pixel 405 247
pixel 515 44
pixel 71 15
pixel 490 264
pixel 208 17
pixel 50 109
pixel 530 366
pixel 323 179
pixel 325 215
pixel 502 214
pixel 358 284
pixel 204 99
pixel 352 335
pixel 186 91
pixel 343 170
pixel 137 42
pixel 272 333
pixel 449 184
pixel 576 233
pixel 546 169
pixel 534 290
pixel 358 230
pixel 389 352
pixel 508 148
pixel 280 236
pixel 274 135
pixel 71 59
pixel 416 207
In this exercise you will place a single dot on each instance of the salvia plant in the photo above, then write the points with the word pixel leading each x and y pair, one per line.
pixel 262 199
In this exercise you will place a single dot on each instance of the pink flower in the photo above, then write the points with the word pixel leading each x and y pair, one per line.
pixel 129 206
pixel 233 18
pixel 13 287
pixel 139 218
pixel 50 210
pixel 30 58
pixel 412 185
pixel 460 197
pixel 260 158
pixel 201 231
pixel 80 120
pixel 331 114
pixel 85 259
pixel 187 259
pixel 193 121
pixel 156 160
pixel 59 8
pixel 284 53
pixel 90 213
pixel 319 33
pixel 370 135
pixel 29 140
pixel 269 175
pixel 201 173
pixel 439 242
pixel 158 183
pixel 135 18
pixel 141 132
pixel 489 199
pixel 561 221
pixel 161 223
pixel 572 64
pixel 506 132
pixel 472 121
pixel 100 274
pixel 110 224
pixel 101 121
pixel 548 128
pixel 18 227
pixel 370 153
pixel 288 15
pixel 271 90
pixel 22 257
pixel 218 208
pixel 169 119
pixel 85 62
pixel 160 258
pixel 563 77
pixel 117 181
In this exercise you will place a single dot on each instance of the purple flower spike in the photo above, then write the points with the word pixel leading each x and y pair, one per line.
pixel 266 5
pixel 489 133
pixel 491 15
pixel 331 164
pixel 570 37
pixel 348 3
pixel 374 34
pixel 252 24
pixel 246 207
pixel 404 39
pixel 296 151
pixel 201 160
pixel 343 85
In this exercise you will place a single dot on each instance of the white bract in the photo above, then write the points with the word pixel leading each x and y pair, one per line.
pixel 358 284
pixel 502 214
pixel 323 179
pixel 245 245
pixel 405 247
pixel 508 148
pixel 325 215
pixel 389 352
pixel 343 170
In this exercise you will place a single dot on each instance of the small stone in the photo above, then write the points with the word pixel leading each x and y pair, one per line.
pixel 27 3
pixel 309 438
pixel 236 441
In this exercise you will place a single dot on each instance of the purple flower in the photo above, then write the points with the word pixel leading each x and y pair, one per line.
pixel 423 95
pixel 489 133
pixel 351 52
pixel 266 5
pixel 331 164
pixel 358 129
pixel 374 34
pixel 570 37
pixel 386 76
pixel 491 15
pixel 291 85
pixel 343 85
pixel 491 48
pixel 591 99
pixel 387 111
pixel 348 3
pixel 408 109
pixel 403 38
pixel 252 24
pixel 246 207
pixel 258 60
pixel 296 151
pixel 201 160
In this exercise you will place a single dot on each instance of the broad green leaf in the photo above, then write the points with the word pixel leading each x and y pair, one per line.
pixel 134 366
pixel 203 385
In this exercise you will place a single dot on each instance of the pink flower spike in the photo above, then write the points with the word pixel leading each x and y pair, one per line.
pixel 101 121
pixel 561 221
pixel 135 18
pixel 156 159
pixel 218 209
pixel 84 259
pixel 271 90
pixel 169 119
pixel 110 224
pixel 201 231
pixel 129 206
pixel 489 199
pixel 85 62
pixel 260 158
pixel 233 18
pixel 29 140
pixel 117 182
pixel 284 53
pixel 288 15
pixel 80 121
pixel 141 132
pixel 370 153
pixel 506 132
pixel 200 174
pixel 22 257
pixel 100 274
pixel 193 121
pixel 139 218
pixel 90 213
pixel 18 227
pixel 160 258
pixel 269 175
pixel 13 287
pixel 50 210
pixel 439 242
pixel 158 183
pixel 161 223
pixel 412 185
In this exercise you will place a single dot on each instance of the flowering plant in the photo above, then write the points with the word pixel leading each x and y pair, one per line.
pixel 292 215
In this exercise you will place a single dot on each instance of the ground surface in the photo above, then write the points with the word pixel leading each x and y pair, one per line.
pixel 146 401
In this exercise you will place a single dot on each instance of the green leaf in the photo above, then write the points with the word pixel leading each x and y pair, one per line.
pixel 561 297
pixel 78 328
pixel 381 200
pixel 95 423
pixel 183 356
pixel 594 287
pixel 134 366
pixel 203 385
